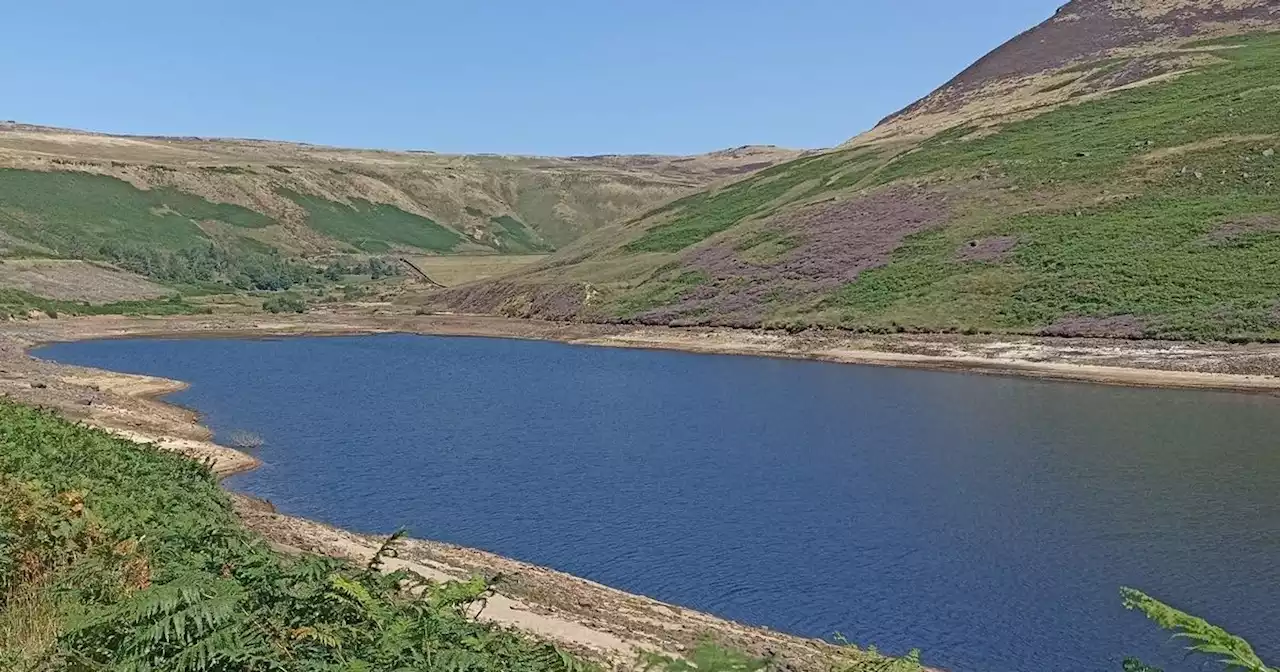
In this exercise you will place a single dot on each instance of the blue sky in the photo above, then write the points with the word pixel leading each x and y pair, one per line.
pixel 509 76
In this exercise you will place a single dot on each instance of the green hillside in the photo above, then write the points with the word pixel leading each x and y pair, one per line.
pixel 1143 208
pixel 62 191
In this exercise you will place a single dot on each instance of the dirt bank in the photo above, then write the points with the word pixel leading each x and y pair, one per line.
pixel 598 621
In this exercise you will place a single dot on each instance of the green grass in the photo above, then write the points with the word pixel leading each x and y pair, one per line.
pixel 1092 142
pixel 1151 258
pixel 516 236
pixel 699 217
pixel 66 211
pixel 374 227
pixel 657 293
pixel 1148 255
pixel 17 303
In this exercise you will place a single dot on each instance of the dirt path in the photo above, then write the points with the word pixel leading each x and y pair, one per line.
pixel 595 620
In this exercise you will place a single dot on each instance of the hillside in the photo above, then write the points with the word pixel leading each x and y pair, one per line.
pixel 1111 172
pixel 61 189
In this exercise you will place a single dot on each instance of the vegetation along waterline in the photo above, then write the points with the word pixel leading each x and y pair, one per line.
pixel 120 556
pixel 59 451
pixel 444 519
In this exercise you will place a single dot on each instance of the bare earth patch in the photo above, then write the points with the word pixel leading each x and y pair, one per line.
pixel 1116 326
pixel 995 248
pixel 455 270
pixel 561 301
pixel 70 280
pixel 1238 227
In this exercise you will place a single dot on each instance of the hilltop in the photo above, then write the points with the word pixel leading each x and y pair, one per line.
pixel 58 184
pixel 1110 172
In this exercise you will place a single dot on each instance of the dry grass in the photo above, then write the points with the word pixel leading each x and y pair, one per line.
pixel 68 280
pixel 559 197
pixel 1154 9
pixel 459 270
pixel 29 627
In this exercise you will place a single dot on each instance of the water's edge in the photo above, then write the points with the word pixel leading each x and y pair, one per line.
pixel 588 618
pixel 579 614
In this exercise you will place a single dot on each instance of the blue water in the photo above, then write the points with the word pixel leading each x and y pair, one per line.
pixel 988 521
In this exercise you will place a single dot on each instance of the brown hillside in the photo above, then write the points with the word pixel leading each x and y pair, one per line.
pixel 559 199
pixel 1012 77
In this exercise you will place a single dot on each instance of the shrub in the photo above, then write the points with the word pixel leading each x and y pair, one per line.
pixel 285 303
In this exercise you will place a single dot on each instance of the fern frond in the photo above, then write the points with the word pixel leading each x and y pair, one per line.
pixel 1207 639
pixel 388 549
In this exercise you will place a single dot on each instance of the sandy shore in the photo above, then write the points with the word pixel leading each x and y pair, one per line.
pixel 595 620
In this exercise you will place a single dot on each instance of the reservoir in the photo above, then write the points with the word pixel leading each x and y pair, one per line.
pixel 988 521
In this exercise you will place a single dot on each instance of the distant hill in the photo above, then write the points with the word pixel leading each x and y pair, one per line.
pixel 1111 172
pixel 62 192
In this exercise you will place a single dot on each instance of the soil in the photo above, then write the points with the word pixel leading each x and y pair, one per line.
pixel 1240 227
pixel 599 622
pixel 991 249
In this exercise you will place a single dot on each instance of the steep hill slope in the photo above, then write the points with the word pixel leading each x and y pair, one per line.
pixel 1113 171
pixel 62 191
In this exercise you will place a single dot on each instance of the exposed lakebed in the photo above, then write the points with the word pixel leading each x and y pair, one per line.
pixel 989 521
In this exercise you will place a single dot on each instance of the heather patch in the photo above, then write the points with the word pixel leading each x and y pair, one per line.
pixel 830 244
pixel 1115 326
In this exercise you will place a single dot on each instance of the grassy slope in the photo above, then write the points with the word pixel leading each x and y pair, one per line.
pixel 375 227
pixel 1150 209
pixel 64 211
pixel 59 186
pixel 17 303
pixel 1127 230
pixel 146 203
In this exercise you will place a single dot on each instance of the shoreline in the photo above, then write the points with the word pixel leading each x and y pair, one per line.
pixel 597 622
pixel 591 619
pixel 1253 368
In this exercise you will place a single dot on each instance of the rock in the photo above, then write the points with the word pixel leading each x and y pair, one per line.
pixel 1269 153
pixel 39 386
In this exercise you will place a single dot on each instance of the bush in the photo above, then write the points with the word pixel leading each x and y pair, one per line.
pixel 374 267
pixel 285 303
pixel 208 263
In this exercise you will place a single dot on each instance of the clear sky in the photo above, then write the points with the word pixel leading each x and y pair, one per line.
pixel 507 76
